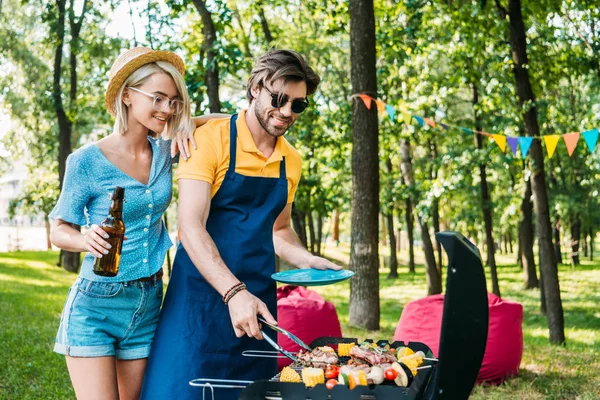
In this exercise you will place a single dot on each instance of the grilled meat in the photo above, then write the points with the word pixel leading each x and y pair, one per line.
pixel 371 356
pixel 319 357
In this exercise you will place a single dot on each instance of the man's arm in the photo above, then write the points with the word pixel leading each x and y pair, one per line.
pixel 289 247
pixel 194 206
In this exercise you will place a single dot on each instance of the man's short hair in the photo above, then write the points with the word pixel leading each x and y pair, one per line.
pixel 278 64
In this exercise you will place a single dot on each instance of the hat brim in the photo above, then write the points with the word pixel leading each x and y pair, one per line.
pixel 127 69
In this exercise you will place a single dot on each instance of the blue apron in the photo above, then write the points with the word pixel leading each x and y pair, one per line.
pixel 194 337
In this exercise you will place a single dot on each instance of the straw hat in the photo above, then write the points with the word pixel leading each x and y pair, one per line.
pixel 130 61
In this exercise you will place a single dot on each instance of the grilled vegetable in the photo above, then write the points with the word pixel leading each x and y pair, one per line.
pixel 289 375
pixel 362 378
pixel 344 349
pixel 331 383
pixel 391 374
pixel 413 361
pixel 405 376
pixel 332 371
pixel 375 375
pixel 312 376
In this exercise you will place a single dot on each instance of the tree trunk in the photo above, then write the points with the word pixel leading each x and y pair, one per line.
pixel 434 280
pixel 319 235
pixel 585 244
pixel 486 202
pixel 556 234
pixel 435 215
pixel 390 227
pixel 592 236
pixel 299 227
pixel 311 231
pixel 70 261
pixel 410 229
pixel 519 248
pixel 383 225
pixel 336 226
pixel 510 241
pixel 393 258
pixel 575 237
pixel 526 239
pixel 212 66
pixel 264 23
pixel 47 225
pixel 364 257
pixel 527 101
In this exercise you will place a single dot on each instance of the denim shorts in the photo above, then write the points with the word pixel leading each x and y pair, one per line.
pixel 109 319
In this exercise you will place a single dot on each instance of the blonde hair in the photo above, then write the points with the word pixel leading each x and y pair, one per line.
pixel 181 123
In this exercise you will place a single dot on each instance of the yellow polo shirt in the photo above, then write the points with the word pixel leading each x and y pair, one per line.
pixel 210 161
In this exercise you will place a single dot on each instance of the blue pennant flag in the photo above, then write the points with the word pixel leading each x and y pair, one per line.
pixel 591 138
pixel 419 120
pixel 465 130
pixel 525 143
pixel 391 111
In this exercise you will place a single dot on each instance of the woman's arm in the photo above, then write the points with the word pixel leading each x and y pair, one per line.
pixel 182 139
pixel 64 236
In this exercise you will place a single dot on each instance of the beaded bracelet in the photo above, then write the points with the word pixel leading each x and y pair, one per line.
pixel 235 289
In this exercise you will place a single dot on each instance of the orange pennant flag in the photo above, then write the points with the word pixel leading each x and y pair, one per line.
pixel 430 122
pixel 500 141
pixel 380 106
pixel 551 142
pixel 571 141
pixel 366 99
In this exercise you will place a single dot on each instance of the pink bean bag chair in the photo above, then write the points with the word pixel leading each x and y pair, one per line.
pixel 307 315
pixel 421 321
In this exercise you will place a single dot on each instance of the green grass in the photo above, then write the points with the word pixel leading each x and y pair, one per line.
pixel 547 371
pixel 33 291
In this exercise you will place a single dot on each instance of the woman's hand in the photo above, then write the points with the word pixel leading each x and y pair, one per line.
pixel 94 241
pixel 181 142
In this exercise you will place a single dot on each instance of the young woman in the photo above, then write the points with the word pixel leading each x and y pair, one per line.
pixel 108 323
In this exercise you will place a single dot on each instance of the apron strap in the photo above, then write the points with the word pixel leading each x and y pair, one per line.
pixel 232 143
pixel 282 173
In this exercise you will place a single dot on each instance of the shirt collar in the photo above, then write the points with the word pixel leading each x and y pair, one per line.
pixel 247 141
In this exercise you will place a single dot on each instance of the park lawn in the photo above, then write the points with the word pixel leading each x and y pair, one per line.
pixel 33 291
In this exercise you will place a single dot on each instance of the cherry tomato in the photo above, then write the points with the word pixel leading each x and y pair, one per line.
pixel 332 372
pixel 331 383
pixel 390 374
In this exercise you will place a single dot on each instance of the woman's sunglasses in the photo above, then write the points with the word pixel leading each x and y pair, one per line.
pixel 278 101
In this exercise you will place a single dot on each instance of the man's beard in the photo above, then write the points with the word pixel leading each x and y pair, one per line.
pixel 259 112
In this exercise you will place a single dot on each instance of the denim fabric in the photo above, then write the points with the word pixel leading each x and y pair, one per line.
pixel 109 319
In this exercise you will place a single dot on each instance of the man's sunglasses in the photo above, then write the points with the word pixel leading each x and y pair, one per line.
pixel 279 101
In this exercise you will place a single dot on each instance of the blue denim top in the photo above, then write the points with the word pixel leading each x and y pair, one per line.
pixel 90 179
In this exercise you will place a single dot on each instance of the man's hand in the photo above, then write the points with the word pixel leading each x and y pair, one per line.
pixel 243 308
pixel 320 263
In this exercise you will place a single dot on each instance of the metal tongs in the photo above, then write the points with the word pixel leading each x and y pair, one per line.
pixel 276 346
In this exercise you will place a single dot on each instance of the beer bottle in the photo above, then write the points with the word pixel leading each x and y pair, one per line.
pixel 108 265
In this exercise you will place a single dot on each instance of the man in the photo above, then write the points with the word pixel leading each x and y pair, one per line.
pixel 235 202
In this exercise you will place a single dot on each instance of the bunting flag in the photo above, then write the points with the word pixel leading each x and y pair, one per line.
pixel 430 122
pixel 513 142
pixel 380 106
pixel 571 141
pixel 591 138
pixel 391 111
pixel 500 141
pixel 525 143
pixel 366 99
pixel 551 142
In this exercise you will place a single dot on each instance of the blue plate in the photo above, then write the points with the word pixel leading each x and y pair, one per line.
pixel 312 277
